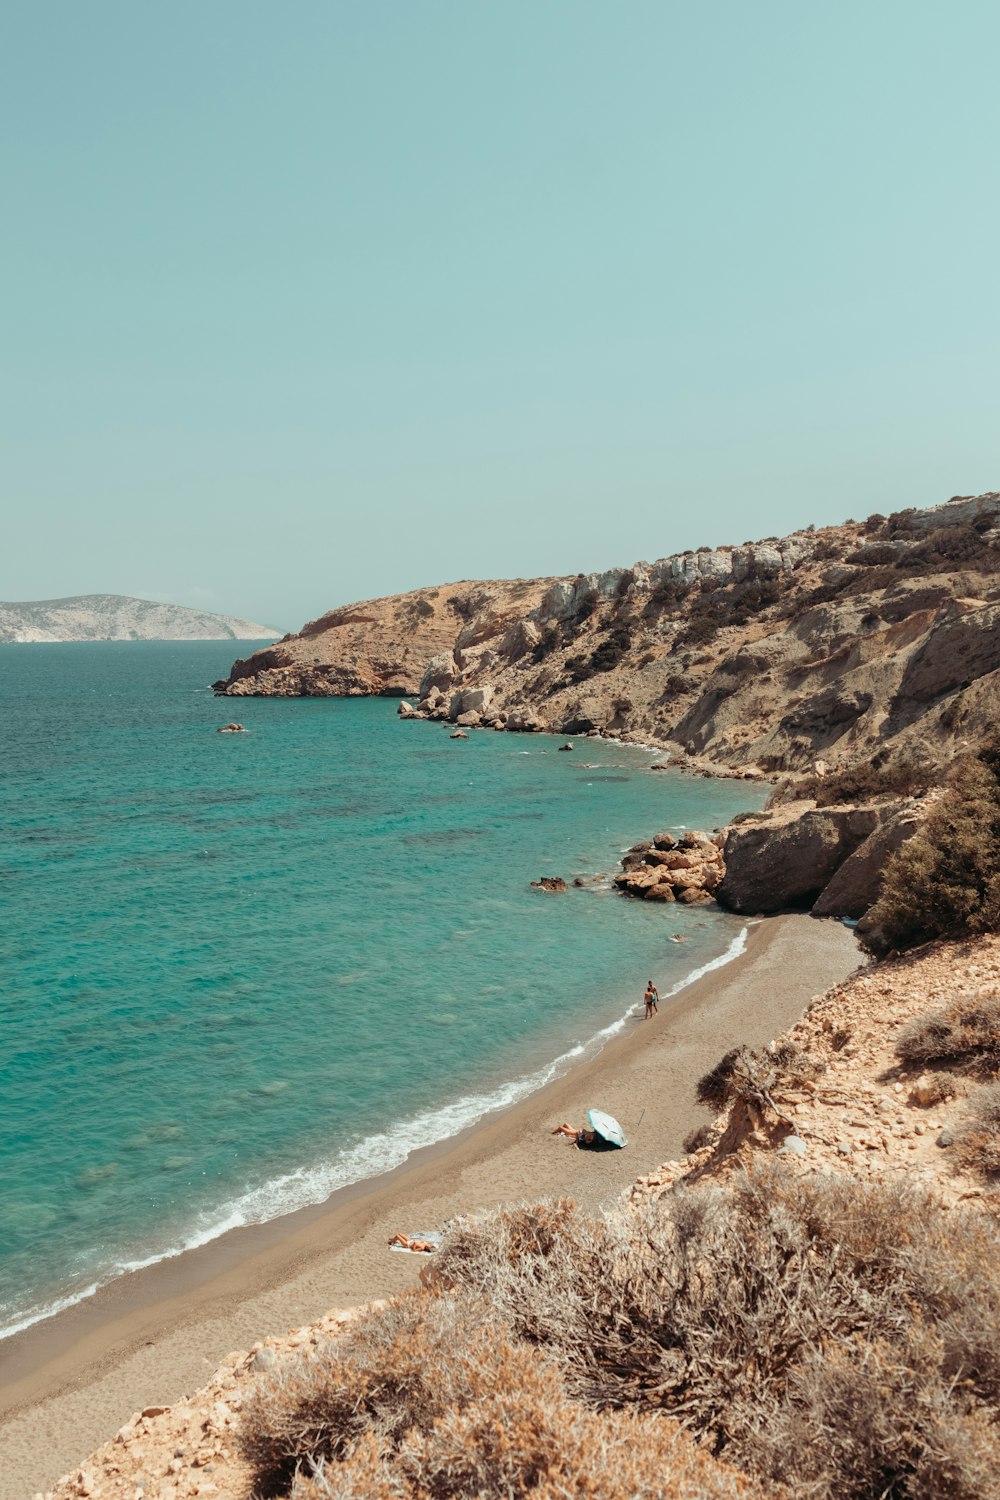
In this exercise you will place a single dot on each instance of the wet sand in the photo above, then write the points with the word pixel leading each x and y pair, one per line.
pixel 153 1337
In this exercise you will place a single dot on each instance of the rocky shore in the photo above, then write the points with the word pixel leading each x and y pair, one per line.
pixel 688 869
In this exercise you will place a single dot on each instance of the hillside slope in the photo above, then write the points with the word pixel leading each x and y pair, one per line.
pixel 833 646
pixel 116 617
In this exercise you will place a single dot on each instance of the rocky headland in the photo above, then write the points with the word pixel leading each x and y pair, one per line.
pixel 849 665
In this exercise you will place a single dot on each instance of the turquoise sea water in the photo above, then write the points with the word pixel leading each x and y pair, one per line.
pixel 240 971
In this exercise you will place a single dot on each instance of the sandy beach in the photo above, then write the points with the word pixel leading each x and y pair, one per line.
pixel 151 1338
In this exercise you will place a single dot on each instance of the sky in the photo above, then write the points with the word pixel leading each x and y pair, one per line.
pixel 315 302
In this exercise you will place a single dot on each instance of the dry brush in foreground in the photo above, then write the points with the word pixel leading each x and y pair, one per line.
pixel 834 1338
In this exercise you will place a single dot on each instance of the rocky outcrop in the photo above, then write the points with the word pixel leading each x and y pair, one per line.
pixel 687 869
pixel 868 638
pixel 827 860
pixel 401 645
pixel 856 884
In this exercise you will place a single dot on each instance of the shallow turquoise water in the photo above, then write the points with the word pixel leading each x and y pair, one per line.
pixel 242 970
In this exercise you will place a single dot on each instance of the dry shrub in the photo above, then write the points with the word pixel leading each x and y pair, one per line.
pixel 868 780
pixel 700 1136
pixel 836 1338
pixel 521 1436
pixel 965 1035
pixel 977 1148
pixel 752 1076
pixel 937 1090
pixel 431 1398
pixel 717 1305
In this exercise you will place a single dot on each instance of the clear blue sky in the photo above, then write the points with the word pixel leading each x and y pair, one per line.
pixel 308 302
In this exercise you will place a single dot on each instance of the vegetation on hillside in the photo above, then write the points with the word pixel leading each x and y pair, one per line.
pixel 945 880
pixel 832 1338
pixel 868 780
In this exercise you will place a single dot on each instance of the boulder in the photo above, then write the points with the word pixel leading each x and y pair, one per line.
pixel 661 893
pixel 440 673
pixel 459 734
pixel 468 720
pixel 566 747
pixel 405 710
pixel 788 858
pixel 524 721
pixel 476 700
pixel 550 883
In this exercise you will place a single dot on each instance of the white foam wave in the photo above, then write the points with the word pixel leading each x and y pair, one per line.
pixel 375 1155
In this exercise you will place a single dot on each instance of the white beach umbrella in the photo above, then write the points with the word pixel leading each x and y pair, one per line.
pixel 606 1126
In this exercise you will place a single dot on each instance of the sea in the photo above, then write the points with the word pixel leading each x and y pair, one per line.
pixel 240 971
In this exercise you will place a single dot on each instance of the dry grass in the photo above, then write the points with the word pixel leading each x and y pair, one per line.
pixel 833 1338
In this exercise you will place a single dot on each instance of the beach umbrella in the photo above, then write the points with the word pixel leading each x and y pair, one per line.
pixel 607 1127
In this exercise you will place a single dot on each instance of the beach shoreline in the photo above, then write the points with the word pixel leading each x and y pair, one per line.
pixel 156 1335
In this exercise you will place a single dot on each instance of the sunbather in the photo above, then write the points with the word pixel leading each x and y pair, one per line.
pixel 405 1243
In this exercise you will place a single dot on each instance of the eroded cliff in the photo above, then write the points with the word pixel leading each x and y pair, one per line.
pixel 866 640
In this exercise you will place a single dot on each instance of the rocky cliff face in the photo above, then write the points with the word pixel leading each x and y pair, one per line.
pixel 873 644
pixel 115 617
pixel 825 647
pixel 384 647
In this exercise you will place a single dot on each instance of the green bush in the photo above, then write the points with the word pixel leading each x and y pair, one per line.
pixel 945 880
pixel 611 650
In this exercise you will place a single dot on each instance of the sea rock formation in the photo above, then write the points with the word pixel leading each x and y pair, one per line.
pixel 787 858
pixel 115 617
pixel 688 869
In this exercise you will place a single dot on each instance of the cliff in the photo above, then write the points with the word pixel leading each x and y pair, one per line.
pixel 115 617
pixel 822 649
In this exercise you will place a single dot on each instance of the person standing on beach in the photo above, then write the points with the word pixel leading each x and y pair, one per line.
pixel 652 1000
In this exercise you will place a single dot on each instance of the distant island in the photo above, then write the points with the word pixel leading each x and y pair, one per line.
pixel 116 617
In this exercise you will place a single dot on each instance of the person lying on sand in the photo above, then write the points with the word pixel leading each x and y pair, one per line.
pixel 405 1243
pixel 585 1138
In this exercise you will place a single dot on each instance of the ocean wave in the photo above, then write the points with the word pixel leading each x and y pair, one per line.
pixel 370 1158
